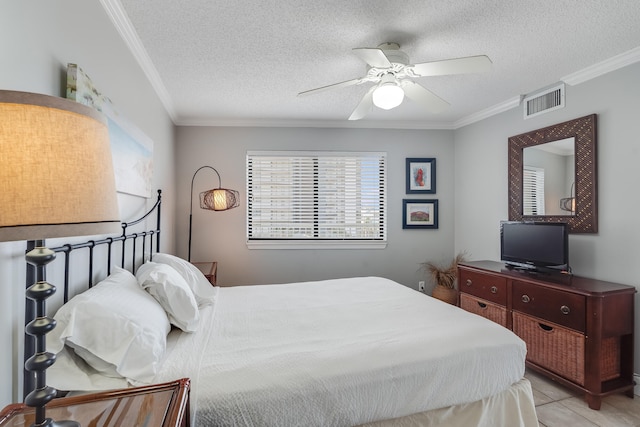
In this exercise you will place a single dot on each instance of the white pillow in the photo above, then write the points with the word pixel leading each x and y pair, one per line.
pixel 116 327
pixel 168 287
pixel 72 373
pixel 201 287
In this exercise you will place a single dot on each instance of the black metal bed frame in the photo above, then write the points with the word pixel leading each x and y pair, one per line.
pixel 66 249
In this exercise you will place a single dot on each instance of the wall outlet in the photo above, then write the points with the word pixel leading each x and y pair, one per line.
pixel 421 285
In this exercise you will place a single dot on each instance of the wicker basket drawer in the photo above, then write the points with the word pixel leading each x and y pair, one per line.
pixel 485 286
pixel 562 350
pixel 558 349
pixel 484 308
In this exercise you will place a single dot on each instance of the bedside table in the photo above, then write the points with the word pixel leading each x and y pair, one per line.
pixel 209 269
pixel 160 405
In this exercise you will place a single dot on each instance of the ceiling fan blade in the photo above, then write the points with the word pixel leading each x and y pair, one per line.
pixel 373 56
pixel 365 105
pixel 469 64
pixel 333 86
pixel 424 97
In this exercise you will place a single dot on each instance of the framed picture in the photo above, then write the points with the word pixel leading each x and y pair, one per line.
pixel 421 176
pixel 419 213
pixel 131 149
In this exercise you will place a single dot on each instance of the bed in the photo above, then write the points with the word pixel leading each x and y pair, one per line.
pixel 343 352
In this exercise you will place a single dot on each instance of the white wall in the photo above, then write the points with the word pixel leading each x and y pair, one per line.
pixel 37 40
pixel 481 180
pixel 221 236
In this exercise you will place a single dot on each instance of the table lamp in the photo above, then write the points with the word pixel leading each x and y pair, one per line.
pixel 56 180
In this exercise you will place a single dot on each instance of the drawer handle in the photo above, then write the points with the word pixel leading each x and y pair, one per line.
pixel 482 305
pixel 494 290
pixel 545 327
pixel 525 298
pixel 469 282
pixel 565 310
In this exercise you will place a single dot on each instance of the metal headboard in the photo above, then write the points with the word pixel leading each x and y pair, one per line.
pixel 149 238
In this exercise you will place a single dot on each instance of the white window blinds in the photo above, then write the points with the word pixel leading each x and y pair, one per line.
pixel 315 196
pixel 533 191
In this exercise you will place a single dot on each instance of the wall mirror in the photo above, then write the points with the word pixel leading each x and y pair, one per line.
pixel 548 178
pixel 552 175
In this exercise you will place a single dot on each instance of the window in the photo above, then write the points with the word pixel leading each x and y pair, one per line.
pixel 316 199
pixel 533 191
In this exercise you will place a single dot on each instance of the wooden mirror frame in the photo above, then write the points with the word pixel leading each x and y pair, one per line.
pixel 583 130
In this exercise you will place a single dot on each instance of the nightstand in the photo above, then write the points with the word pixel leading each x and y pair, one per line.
pixel 209 269
pixel 160 405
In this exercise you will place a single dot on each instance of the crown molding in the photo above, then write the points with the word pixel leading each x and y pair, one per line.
pixel 351 124
pixel 121 21
pixel 487 112
pixel 604 67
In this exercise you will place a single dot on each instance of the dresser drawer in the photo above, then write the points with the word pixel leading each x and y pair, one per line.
pixel 485 286
pixel 551 346
pixel 486 309
pixel 563 308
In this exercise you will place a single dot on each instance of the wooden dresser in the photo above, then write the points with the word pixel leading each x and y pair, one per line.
pixel 161 405
pixel 578 331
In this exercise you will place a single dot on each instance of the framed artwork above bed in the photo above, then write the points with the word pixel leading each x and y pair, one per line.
pixel 131 149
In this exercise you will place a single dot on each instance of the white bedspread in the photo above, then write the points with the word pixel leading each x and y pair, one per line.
pixel 338 353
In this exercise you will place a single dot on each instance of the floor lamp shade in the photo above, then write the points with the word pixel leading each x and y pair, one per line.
pixel 56 172
pixel 219 199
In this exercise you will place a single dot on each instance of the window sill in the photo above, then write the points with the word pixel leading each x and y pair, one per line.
pixel 294 244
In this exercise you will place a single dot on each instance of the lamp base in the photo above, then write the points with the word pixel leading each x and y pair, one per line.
pixel 39 257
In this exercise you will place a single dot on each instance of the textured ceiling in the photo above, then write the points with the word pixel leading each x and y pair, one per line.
pixel 229 62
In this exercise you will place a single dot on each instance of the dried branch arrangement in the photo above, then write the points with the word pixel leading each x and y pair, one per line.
pixel 445 276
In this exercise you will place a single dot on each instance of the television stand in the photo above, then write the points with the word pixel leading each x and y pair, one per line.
pixel 579 331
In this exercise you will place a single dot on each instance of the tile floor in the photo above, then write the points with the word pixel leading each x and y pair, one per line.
pixel 558 406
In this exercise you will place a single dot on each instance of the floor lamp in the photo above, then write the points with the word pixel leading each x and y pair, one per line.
pixel 218 199
pixel 56 180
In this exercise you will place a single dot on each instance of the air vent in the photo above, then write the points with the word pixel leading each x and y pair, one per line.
pixel 543 102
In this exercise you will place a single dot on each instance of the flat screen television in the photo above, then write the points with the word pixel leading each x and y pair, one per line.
pixel 535 245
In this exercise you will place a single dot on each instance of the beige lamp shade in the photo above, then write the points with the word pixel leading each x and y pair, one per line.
pixel 56 172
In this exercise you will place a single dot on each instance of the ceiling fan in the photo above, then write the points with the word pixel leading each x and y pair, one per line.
pixel 390 70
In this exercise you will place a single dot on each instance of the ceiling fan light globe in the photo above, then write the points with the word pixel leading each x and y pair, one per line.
pixel 388 96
